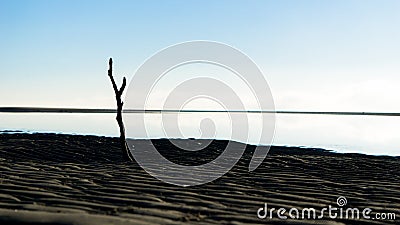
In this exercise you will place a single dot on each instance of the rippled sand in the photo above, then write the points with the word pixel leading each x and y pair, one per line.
pixel 72 179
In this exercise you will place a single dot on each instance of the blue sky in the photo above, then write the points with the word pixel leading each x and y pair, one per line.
pixel 316 55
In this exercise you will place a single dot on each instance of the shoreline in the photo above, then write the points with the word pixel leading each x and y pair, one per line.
pixel 346 150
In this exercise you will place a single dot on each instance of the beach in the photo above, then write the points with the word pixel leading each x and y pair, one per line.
pixel 48 178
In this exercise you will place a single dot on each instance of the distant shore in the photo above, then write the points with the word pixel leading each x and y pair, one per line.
pixel 88 110
pixel 48 178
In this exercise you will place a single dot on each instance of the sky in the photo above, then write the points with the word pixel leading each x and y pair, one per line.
pixel 315 55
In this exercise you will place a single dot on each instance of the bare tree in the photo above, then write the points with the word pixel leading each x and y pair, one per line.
pixel 118 93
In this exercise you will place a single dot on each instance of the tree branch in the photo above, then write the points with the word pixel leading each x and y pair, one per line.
pixel 118 93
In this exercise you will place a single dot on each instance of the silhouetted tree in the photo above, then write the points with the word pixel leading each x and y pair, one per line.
pixel 118 93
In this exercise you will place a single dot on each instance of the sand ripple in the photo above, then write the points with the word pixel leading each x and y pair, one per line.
pixel 71 179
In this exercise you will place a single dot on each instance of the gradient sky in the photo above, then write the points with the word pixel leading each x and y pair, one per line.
pixel 316 55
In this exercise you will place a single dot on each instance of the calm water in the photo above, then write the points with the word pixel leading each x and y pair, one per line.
pixel 377 135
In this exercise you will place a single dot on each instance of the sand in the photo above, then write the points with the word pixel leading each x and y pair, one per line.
pixel 74 179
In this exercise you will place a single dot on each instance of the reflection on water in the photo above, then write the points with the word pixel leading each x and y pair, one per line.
pixel 376 135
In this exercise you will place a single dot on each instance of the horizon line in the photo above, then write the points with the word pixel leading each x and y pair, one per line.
pixel 92 110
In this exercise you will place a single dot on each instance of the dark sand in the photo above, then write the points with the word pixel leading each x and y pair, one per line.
pixel 72 179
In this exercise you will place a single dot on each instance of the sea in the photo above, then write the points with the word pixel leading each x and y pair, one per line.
pixel 372 135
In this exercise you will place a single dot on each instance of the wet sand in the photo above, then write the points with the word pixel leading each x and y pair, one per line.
pixel 74 179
